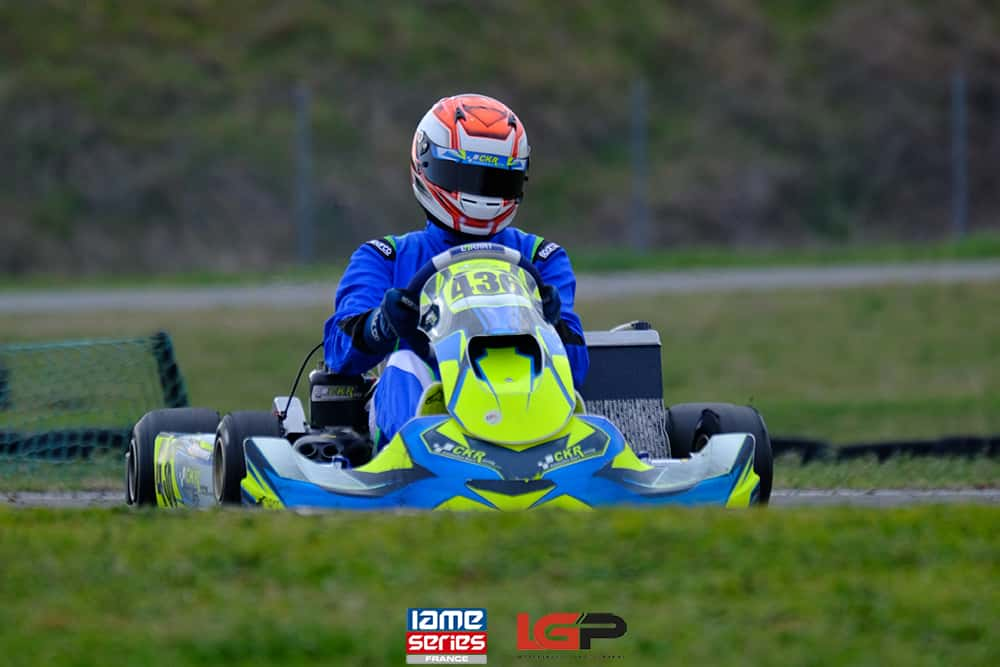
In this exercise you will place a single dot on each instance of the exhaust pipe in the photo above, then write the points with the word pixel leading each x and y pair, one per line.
pixel 306 449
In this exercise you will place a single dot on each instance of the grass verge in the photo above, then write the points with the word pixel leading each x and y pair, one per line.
pixel 896 473
pixel 104 471
pixel 912 586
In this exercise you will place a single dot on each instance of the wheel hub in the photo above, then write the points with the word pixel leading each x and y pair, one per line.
pixel 131 474
pixel 218 470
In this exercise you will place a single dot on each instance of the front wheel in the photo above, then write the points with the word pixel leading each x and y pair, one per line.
pixel 140 460
pixel 228 462
pixel 690 425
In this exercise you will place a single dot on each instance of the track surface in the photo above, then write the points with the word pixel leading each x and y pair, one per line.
pixel 589 287
pixel 780 498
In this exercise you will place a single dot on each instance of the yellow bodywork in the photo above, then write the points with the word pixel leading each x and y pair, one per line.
pixel 507 404
pixel 744 488
pixel 260 492
pixel 165 481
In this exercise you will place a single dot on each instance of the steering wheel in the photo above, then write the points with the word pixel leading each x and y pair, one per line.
pixel 441 261
pixel 469 251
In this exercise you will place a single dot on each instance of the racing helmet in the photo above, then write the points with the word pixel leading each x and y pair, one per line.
pixel 468 164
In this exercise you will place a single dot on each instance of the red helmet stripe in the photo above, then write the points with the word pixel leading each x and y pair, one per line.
pixel 500 219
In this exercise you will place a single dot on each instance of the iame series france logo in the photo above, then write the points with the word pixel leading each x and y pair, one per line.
pixel 445 636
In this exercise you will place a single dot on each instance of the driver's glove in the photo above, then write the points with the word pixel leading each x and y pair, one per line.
pixel 551 304
pixel 395 318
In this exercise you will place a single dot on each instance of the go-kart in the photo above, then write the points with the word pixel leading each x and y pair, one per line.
pixel 504 428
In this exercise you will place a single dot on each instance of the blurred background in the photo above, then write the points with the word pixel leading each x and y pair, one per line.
pixel 156 137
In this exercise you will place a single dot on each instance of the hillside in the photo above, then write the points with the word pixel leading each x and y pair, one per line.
pixel 159 136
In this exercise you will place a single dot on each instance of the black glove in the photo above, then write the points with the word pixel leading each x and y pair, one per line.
pixel 551 304
pixel 395 318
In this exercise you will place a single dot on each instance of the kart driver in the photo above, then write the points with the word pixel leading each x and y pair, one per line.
pixel 464 200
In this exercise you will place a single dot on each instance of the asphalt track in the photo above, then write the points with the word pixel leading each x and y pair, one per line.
pixel 589 287
pixel 780 498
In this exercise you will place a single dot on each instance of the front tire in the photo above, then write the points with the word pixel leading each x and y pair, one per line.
pixel 228 463
pixel 690 425
pixel 140 485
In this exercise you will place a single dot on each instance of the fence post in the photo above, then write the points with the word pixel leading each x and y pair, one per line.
pixel 959 156
pixel 639 225
pixel 171 380
pixel 304 222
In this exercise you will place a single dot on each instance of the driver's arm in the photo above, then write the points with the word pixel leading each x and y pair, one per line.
pixel 369 274
pixel 557 271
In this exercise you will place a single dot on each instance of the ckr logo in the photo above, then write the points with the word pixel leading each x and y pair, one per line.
pixel 567 631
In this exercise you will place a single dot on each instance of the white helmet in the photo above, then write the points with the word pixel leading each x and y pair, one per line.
pixel 469 162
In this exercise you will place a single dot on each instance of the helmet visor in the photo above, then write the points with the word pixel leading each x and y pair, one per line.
pixel 479 174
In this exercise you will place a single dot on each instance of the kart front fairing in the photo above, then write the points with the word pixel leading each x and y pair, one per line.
pixel 433 464
pixel 504 370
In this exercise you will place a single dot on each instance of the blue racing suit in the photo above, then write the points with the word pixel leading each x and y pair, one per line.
pixel 382 264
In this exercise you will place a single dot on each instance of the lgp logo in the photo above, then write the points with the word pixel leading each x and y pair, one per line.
pixel 567 631
pixel 445 636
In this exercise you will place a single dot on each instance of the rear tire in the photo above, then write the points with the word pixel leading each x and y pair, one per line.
pixel 140 485
pixel 228 463
pixel 690 425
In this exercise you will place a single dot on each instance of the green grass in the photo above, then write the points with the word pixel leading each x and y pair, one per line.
pixel 895 473
pixel 843 365
pixel 104 471
pixel 320 272
pixel 907 587
pixel 979 246
pixel 586 260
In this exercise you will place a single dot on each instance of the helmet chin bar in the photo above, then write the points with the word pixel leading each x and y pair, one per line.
pixel 480 208
pixel 452 222
pixel 479 232
pixel 452 229
pixel 460 211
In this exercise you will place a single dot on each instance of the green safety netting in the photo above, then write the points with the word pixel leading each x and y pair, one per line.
pixel 66 399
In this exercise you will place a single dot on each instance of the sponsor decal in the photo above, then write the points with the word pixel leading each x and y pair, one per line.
pixel 383 247
pixel 336 392
pixel 190 477
pixel 430 318
pixel 458 451
pixel 545 250
pixel 566 455
pixel 445 636
pixel 474 247
pixel 567 631
pixel 486 159
pixel 544 457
